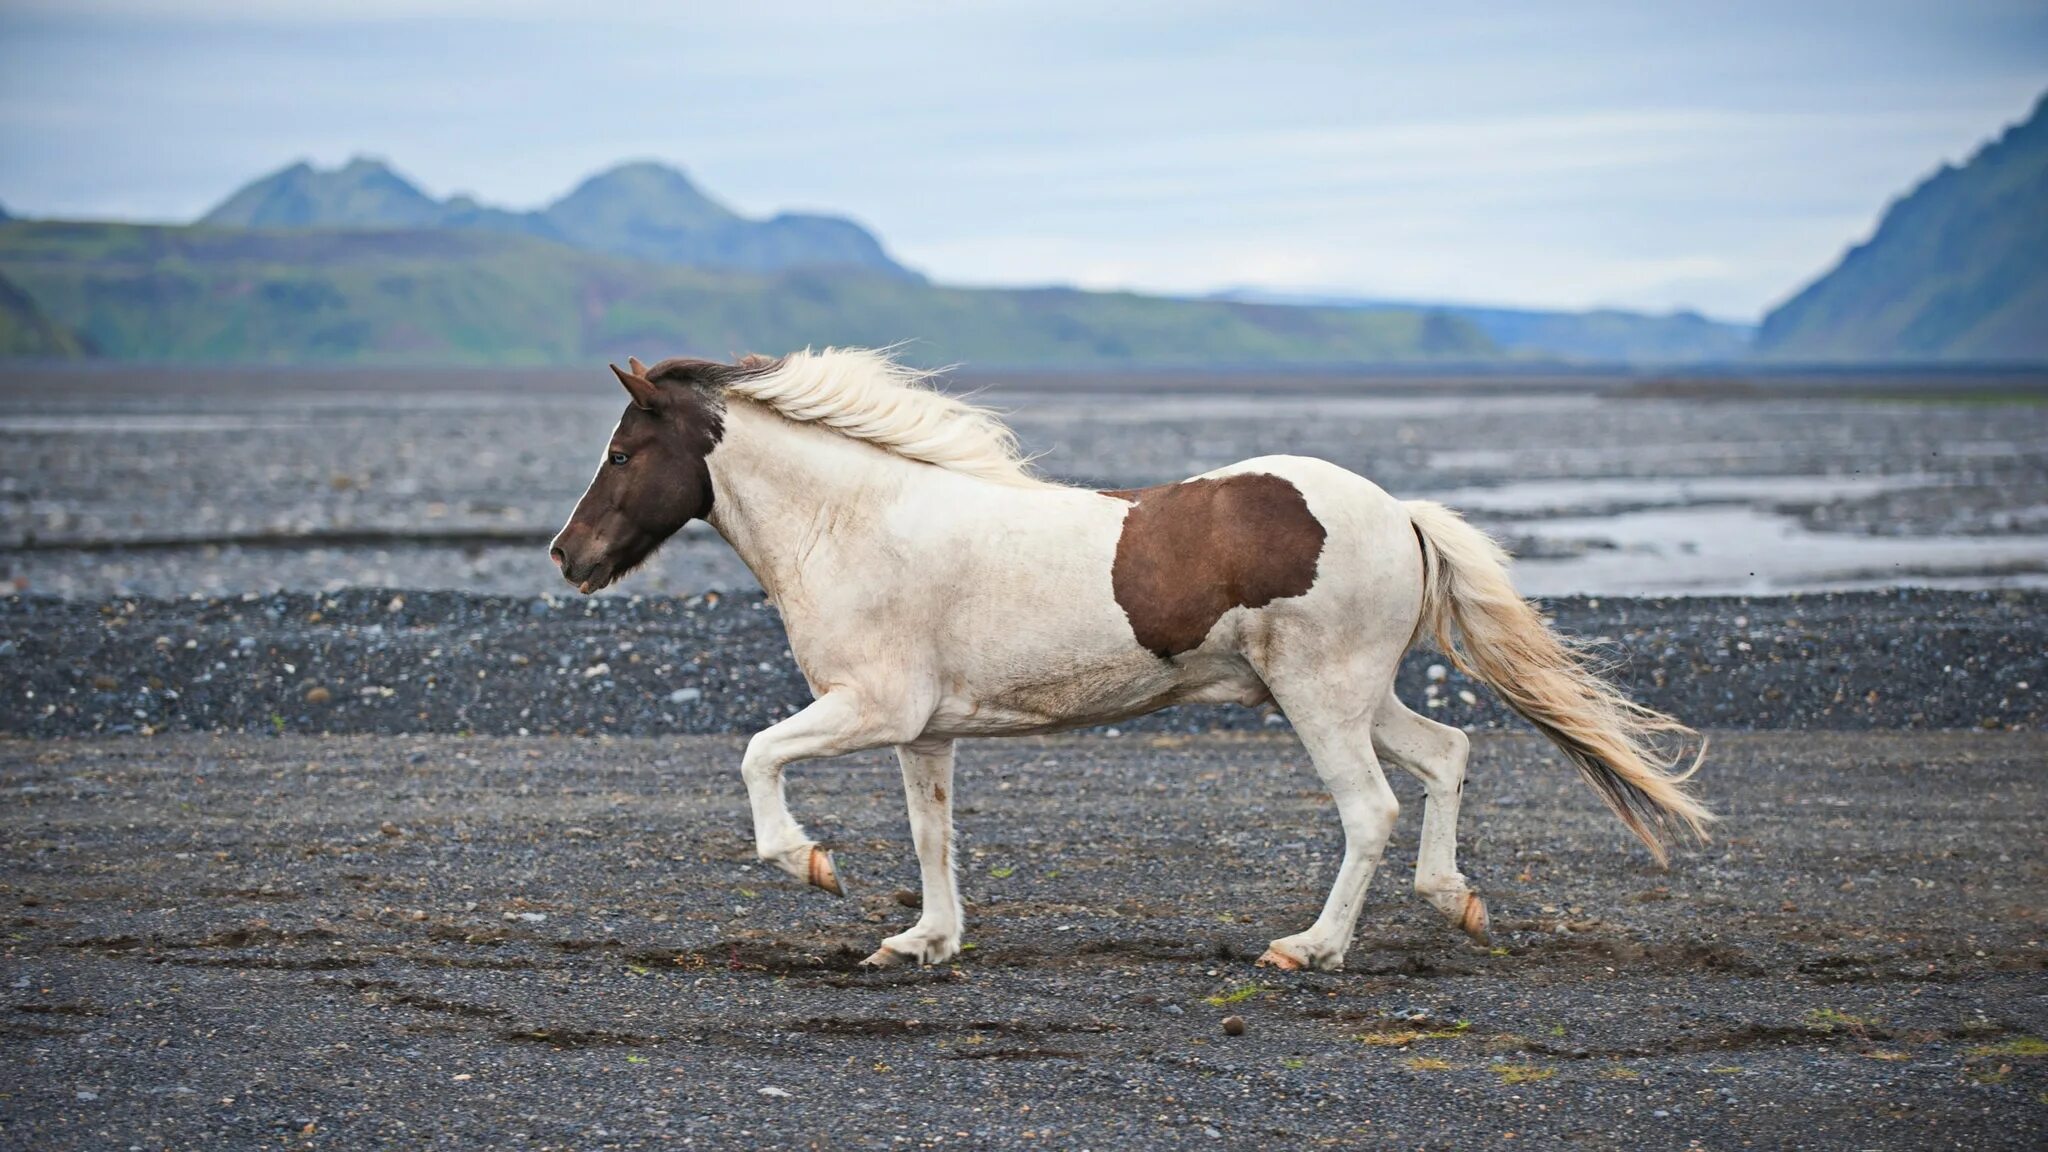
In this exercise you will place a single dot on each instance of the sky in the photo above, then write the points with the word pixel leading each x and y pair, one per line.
pixel 1570 154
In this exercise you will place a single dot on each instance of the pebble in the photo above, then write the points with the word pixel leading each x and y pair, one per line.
pixel 1233 1025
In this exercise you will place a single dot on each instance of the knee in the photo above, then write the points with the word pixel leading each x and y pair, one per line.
pixel 759 761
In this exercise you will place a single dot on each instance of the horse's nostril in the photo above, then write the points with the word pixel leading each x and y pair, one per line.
pixel 561 558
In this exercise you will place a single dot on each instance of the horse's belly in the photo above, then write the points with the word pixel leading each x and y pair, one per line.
pixel 1104 694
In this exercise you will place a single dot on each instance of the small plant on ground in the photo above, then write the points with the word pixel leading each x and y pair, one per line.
pixel 1834 1020
pixel 2017 1046
pixel 1403 1037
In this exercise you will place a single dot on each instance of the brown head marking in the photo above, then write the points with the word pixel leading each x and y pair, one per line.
pixel 654 478
pixel 1192 551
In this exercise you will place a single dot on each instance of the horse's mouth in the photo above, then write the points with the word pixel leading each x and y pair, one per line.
pixel 598 580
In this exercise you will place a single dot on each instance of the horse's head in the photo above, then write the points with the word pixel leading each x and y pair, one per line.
pixel 653 479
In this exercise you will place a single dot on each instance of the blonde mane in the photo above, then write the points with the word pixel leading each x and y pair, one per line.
pixel 865 394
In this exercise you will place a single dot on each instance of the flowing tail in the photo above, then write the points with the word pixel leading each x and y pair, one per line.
pixel 1614 741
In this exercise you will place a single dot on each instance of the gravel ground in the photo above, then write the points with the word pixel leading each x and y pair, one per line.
pixel 369 661
pixel 560 943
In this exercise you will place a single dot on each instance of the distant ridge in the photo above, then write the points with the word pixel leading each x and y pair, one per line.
pixel 642 211
pixel 1604 335
pixel 1957 269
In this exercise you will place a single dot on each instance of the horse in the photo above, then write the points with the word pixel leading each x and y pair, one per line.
pixel 935 587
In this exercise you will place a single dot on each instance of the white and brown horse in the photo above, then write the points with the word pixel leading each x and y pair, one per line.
pixel 934 588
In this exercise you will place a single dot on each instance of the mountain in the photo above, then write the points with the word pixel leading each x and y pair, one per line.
pixel 644 211
pixel 1957 269
pixel 361 194
pixel 650 212
pixel 492 297
pixel 1606 336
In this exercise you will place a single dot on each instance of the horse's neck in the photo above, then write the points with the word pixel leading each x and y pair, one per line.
pixel 780 486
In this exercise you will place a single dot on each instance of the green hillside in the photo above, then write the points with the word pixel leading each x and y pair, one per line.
pixel 26 332
pixel 1957 270
pixel 446 296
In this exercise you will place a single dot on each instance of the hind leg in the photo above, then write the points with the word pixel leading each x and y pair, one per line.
pixel 1338 735
pixel 1436 754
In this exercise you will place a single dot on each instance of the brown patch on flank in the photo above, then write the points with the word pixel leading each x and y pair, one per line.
pixel 1192 551
pixel 939 793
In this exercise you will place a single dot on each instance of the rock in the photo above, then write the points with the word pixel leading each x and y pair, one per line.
pixel 1233 1025
pixel 318 694
pixel 686 696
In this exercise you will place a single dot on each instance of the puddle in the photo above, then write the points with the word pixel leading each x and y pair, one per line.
pixel 1716 551
pixel 1536 497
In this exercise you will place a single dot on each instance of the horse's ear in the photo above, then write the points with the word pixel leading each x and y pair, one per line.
pixel 645 394
pixel 635 366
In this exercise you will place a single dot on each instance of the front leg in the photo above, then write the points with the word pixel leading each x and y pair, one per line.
pixel 835 723
pixel 928 791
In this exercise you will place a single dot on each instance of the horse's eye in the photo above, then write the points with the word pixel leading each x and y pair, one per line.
pixel 618 458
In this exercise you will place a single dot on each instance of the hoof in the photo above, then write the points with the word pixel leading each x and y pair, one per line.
pixel 1474 921
pixel 884 958
pixel 1275 958
pixel 822 874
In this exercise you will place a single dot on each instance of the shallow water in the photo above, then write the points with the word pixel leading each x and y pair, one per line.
pixel 1719 550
